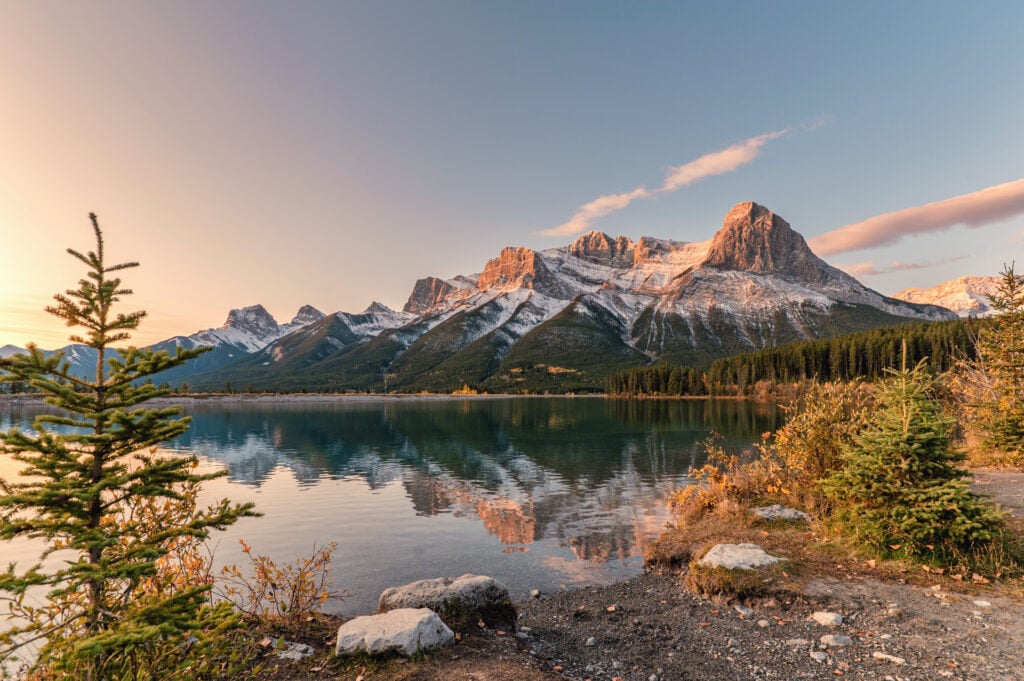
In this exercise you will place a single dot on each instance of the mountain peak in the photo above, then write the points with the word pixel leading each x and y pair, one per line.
pixel 599 247
pixel 307 314
pixel 378 308
pixel 754 239
pixel 255 319
pixel 968 296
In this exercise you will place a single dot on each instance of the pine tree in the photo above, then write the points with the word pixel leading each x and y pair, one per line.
pixel 900 489
pixel 87 473
pixel 1001 355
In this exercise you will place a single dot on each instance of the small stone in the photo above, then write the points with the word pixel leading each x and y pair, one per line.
pixel 534 593
pixel 652 677
pixel 818 656
pixel 779 512
pixel 835 640
pixel 982 604
pixel 732 643
pixel 797 642
pixel 827 619
pixel 591 642
pixel 886 657
pixel 291 650
pixel 612 608
pixel 764 623
pixel 743 610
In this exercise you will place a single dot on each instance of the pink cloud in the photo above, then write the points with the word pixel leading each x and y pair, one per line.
pixel 588 213
pixel 718 162
pixel 869 269
pixel 973 210
pixel 715 163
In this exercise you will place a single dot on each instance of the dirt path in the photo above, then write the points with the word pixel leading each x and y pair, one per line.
pixel 1005 487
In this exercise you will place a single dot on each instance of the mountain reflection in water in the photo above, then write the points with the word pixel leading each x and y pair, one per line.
pixel 537 492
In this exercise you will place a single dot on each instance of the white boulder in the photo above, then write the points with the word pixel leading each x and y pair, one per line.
pixel 405 630
pixel 738 557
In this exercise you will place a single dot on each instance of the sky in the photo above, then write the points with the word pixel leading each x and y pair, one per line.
pixel 331 153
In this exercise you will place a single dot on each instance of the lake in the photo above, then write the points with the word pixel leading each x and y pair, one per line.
pixel 541 493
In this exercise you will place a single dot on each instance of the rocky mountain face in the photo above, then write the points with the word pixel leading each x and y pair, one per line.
pixel 966 296
pixel 568 316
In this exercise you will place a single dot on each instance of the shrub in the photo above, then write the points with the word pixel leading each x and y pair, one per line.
pixel 286 596
pixel 900 490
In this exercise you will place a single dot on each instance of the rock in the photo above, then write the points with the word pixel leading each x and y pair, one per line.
pixel 290 650
pixel 982 604
pixel 797 642
pixel 405 630
pixel 827 619
pixel 835 640
pixel 534 593
pixel 886 657
pixel 590 642
pixel 764 623
pixel 738 557
pixel 779 512
pixel 459 602
pixel 732 643
pixel 818 656
pixel 743 610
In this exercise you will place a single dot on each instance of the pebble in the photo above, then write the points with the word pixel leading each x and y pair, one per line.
pixel 835 640
pixel 652 677
pixel 983 604
pixel 732 643
pixel 763 623
pixel 797 642
pixel 591 642
pixel 818 656
pixel 743 610
pixel 879 655
pixel 534 593
pixel 827 619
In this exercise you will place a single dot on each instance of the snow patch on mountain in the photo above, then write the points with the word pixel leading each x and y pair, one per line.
pixel 966 296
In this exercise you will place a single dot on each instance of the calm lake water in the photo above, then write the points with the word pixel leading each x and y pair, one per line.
pixel 539 493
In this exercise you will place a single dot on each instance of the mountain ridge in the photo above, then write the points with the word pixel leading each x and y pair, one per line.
pixel 600 303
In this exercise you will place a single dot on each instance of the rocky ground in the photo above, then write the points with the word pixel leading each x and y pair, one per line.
pixel 900 626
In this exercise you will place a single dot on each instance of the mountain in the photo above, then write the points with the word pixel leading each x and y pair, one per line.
pixel 8 350
pixel 563 318
pixel 245 331
pixel 966 296
pixel 292 362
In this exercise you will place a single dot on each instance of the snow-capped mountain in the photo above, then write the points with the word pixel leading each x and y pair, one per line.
pixel 8 350
pixel 966 296
pixel 593 307
pixel 249 329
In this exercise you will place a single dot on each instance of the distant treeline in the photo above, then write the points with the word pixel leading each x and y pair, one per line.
pixel 866 355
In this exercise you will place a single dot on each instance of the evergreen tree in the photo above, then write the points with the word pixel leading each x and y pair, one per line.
pixel 1001 354
pixel 899 488
pixel 87 472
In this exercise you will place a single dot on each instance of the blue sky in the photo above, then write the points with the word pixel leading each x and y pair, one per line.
pixel 333 153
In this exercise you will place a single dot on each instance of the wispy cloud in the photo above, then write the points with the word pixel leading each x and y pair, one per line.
pixel 869 269
pixel 715 163
pixel 588 213
pixel 1001 202
pixel 718 162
